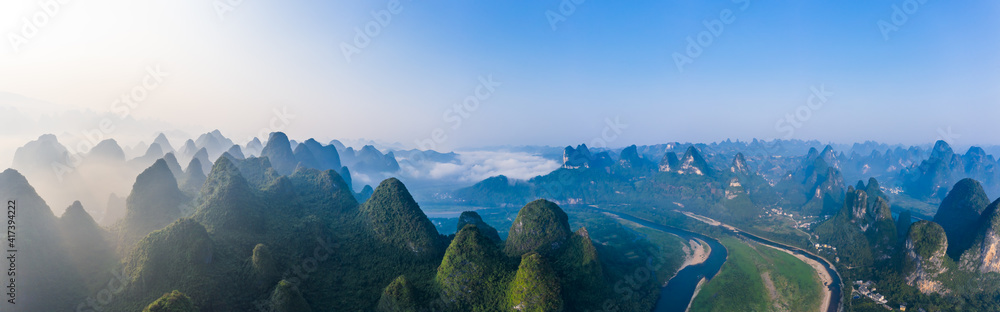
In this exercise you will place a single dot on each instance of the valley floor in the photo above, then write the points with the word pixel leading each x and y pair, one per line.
pixel 759 278
pixel 824 276
pixel 695 250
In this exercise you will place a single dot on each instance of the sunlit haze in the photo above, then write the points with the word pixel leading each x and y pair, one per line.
pixel 486 155
pixel 560 77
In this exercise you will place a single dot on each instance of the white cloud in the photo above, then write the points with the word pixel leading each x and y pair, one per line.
pixel 474 166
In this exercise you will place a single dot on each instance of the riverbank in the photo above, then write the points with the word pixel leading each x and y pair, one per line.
pixel 821 270
pixel 677 294
pixel 696 290
pixel 824 276
pixel 696 251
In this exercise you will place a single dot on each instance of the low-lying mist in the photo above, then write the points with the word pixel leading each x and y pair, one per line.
pixel 101 177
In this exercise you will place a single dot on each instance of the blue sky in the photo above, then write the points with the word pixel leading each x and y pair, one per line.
pixel 937 72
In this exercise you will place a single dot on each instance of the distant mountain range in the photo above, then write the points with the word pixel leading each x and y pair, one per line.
pixel 815 180
pixel 212 217
pixel 63 177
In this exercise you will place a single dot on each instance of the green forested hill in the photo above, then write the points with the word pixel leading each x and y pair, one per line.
pixel 254 239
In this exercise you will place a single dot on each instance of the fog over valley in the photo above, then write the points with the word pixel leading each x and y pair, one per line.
pixel 515 156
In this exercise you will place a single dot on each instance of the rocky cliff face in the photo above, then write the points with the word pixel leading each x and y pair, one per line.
pixel 882 233
pixel 925 259
pixel 820 179
pixel 578 157
pixel 669 162
pixel 983 256
pixel 873 218
pixel 830 183
pixel 693 163
pixel 630 162
pixel 735 189
pixel 857 202
pixel 830 157
pixel 581 157
pixel 874 191
pixel 629 157
pixel 739 165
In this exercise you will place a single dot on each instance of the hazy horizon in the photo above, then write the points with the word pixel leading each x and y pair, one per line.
pixel 402 155
pixel 548 73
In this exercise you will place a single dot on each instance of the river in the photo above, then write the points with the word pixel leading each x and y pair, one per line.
pixel 678 294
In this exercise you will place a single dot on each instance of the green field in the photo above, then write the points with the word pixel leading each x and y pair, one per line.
pixel 741 285
pixel 670 252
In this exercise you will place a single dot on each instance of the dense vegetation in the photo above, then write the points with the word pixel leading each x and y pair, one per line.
pixel 959 213
pixel 254 239
pixel 738 196
pixel 474 273
pixel 296 237
pixel 913 267
pixel 394 218
pixel 398 296
pixel 153 203
pixel 472 217
pixel 535 287
pixel 540 226
pixel 174 301
pixel 857 222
